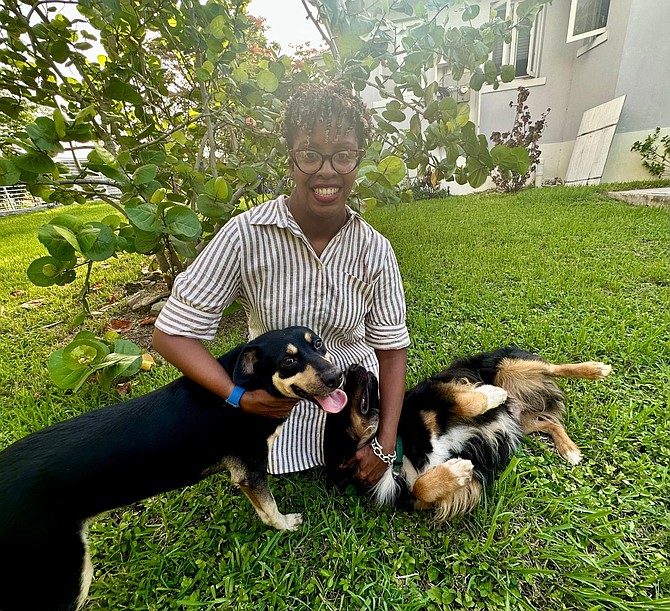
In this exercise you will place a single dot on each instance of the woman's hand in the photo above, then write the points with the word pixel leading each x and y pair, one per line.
pixel 262 403
pixel 370 468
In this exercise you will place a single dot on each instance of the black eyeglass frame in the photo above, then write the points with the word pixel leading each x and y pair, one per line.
pixel 359 152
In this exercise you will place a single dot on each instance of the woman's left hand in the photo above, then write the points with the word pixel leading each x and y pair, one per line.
pixel 370 468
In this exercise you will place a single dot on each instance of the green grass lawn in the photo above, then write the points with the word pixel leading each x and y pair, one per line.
pixel 565 272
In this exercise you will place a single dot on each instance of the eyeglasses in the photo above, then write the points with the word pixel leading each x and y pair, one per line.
pixel 310 162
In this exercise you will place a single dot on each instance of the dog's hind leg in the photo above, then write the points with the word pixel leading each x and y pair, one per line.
pixel 254 485
pixel 552 426
pixel 449 488
pixel 590 370
pixel 49 573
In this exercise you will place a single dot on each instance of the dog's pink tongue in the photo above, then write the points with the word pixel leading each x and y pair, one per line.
pixel 334 402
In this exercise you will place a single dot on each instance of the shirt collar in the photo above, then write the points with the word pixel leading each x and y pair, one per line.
pixel 276 212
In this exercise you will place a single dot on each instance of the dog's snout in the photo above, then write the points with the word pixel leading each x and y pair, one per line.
pixel 333 379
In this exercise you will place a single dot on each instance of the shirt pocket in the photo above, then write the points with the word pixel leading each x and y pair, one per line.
pixel 351 301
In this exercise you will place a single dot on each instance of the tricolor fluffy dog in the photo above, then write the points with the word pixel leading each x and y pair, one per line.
pixel 458 428
pixel 53 481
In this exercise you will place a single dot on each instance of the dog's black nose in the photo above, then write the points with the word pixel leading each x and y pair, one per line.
pixel 333 379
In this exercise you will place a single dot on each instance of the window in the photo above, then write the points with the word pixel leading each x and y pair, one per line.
pixel 587 18
pixel 523 50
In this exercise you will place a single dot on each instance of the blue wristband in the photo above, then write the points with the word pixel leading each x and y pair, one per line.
pixel 235 396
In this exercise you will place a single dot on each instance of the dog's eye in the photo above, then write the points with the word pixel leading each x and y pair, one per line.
pixel 317 342
pixel 289 361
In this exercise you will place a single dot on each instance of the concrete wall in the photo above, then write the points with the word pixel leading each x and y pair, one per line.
pixel 644 73
pixel 632 61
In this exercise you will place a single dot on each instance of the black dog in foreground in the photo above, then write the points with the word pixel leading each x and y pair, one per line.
pixel 53 481
pixel 459 428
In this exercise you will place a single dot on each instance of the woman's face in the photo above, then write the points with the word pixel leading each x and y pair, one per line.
pixel 324 193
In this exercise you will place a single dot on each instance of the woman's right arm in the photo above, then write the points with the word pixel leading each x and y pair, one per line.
pixel 193 359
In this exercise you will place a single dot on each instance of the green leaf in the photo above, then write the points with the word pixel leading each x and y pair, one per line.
pixel 218 188
pixel 97 241
pixel 147 242
pixel 349 44
pixel 477 173
pixel 145 174
pixel 448 107
pixel 144 217
pixel 127 367
pixel 471 11
pixel 267 81
pixel 507 74
pixel 59 241
pixel 122 91
pixel 211 207
pixel 462 114
pixel 477 81
pixel 84 351
pixel 60 51
pixel 65 376
pixel 183 248
pixel 153 156
pixel 396 116
pixel 9 173
pixel 59 123
pixel 247 174
pixel 47 271
pixel 393 168
pixel 219 28
pixel 182 222
pixel 101 156
pixel 37 163
pixel 490 70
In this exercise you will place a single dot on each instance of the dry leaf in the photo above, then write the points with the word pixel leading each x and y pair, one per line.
pixel 17 293
pixel 33 303
pixel 147 321
pixel 147 362
pixel 123 388
pixel 119 325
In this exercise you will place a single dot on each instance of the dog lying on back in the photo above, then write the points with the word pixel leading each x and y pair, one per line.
pixel 459 428
pixel 53 481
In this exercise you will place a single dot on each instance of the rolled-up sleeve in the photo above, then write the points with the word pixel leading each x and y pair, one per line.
pixel 205 289
pixel 385 326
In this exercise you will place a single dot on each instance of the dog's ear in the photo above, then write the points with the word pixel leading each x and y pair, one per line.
pixel 246 366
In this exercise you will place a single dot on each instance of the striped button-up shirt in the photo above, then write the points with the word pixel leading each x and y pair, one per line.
pixel 351 296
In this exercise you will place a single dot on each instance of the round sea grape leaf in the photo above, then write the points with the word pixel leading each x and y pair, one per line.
pixel 65 376
pixel 44 271
pixel 144 217
pixel 393 168
pixel 182 222
pixel 97 241
pixel 59 241
pixel 9 173
pixel 84 352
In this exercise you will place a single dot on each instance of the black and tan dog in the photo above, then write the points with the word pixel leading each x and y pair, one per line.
pixel 53 481
pixel 460 427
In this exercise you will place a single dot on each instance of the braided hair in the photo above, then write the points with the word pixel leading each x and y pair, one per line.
pixel 331 105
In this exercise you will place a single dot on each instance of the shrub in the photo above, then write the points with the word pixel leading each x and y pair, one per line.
pixel 655 154
pixel 524 133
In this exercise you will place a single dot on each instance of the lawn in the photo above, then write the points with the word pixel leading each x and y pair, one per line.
pixel 565 272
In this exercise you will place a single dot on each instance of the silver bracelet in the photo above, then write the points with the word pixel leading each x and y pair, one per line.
pixel 389 459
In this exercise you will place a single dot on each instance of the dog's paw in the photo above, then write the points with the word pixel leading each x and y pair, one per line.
pixel 461 470
pixel 601 370
pixel 290 521
pixel 574 457
pixel 494 395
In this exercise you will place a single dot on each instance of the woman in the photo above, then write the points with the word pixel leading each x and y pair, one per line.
pixel 306 259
